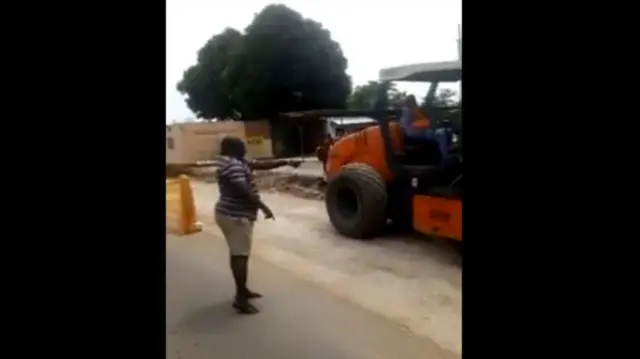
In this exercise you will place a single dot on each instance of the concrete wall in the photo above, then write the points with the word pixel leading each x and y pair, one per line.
pixel 201 141
pixel 258 139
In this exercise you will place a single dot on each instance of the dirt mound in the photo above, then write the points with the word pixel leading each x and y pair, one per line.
pixel 288 180
pixel 299 185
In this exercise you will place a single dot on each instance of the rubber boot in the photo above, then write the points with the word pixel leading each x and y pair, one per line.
pixel 239 268
pixel 251 294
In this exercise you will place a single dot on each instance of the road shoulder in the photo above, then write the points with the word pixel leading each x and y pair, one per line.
pixel 299 319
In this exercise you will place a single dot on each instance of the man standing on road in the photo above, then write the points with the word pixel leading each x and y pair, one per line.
pixel 235 213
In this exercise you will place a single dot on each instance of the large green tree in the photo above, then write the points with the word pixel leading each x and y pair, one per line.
pixel 283 62
pixel 364 96
pixel 205 84
pixel 444 98
pixel 445 106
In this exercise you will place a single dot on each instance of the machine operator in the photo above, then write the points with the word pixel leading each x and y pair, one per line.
pixel 417 126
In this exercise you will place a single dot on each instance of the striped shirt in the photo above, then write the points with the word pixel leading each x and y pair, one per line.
pixel 232 202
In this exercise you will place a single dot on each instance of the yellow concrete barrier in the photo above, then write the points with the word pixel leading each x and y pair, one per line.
pixel 181 208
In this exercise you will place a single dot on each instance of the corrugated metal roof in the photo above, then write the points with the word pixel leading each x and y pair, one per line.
pixel 349 120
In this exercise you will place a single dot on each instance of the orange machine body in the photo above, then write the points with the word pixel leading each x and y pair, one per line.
pixel 438 216
pixel 432 215
pixel 367 147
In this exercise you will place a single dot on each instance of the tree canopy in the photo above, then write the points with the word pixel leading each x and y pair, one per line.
pixel 364 96
pixel 444 98
pixel 205 83
pixel 283 62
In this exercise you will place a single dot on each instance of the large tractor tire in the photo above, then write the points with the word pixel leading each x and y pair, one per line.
pixel 356 200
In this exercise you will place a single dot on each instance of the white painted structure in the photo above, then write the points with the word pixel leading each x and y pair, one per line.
pixel 348 122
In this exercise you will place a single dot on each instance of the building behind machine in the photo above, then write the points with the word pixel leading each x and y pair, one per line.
pixel 347 124
pixel 190 142
pixel 300 133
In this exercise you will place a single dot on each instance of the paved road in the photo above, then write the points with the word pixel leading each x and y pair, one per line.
pixel 299 320
pixel 415 282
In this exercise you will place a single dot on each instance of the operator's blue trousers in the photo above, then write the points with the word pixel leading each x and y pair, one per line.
pixel 428 134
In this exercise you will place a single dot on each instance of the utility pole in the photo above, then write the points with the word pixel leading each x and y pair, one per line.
pixel 460 57
pixel 460 42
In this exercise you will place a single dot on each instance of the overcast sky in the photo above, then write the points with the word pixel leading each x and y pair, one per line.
pixel 373 35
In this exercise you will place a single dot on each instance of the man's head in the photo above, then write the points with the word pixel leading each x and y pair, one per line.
pixel 233 147
pixel 411 102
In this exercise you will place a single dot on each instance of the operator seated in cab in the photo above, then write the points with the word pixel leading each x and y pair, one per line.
pixel 416 126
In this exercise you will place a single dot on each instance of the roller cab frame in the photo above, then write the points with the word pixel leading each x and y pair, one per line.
pixel 414 191
pixel 426 197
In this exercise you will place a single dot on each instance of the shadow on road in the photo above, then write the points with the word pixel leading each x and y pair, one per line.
pixel 213 318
